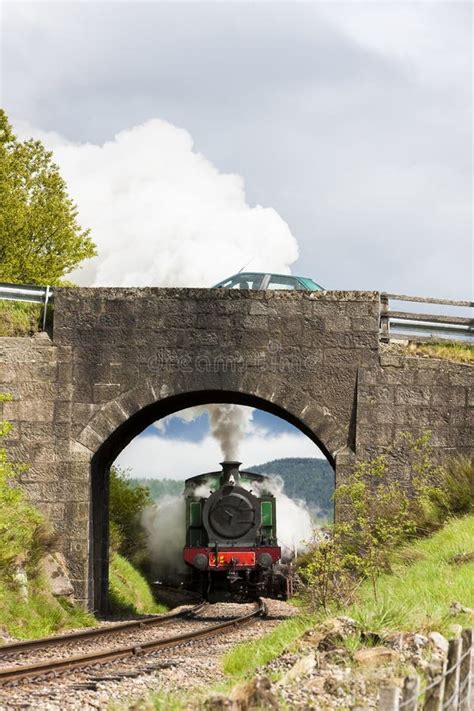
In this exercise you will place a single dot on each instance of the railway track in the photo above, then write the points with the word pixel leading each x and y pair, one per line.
pixel 20 648
pixel 40 669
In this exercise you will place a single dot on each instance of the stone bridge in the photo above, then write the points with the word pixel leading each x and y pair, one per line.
pixel 118 359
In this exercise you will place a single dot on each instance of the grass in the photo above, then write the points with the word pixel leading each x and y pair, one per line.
pixel 416 596
pixel 248 656
pixel 425 581
pixel 19 319
pixel 40 615
pixel 128 590
pixel 448 351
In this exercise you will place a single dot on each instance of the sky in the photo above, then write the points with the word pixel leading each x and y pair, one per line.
pixel 332 140
pixel 180 446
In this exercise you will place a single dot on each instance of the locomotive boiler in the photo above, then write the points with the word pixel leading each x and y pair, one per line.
pixel 231 538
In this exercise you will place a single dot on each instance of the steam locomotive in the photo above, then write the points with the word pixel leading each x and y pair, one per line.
pixel 231 539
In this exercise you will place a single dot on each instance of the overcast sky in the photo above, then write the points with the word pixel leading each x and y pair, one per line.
pixel 352 121
pixel 332 140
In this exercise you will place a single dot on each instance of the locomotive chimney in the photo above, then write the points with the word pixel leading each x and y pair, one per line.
pixel 231 469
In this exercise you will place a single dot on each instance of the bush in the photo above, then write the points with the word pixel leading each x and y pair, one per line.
pixel 377 514
pixel 127 503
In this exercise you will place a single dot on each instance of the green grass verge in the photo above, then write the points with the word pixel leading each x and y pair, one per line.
pixel 19 319
pixel 448 351
pixel 248 656
pixel 40 615
pixel 424 583
pixel 128 589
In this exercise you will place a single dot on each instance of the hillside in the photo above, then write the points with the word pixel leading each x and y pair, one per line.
pixel 311 480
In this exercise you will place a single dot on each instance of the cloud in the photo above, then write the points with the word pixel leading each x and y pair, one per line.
pixel 156 457
pixel 353 120
pixel 161 214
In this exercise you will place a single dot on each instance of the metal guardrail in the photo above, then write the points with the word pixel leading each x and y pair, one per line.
pixel 393 324
pixel 28 293
pixel 415 326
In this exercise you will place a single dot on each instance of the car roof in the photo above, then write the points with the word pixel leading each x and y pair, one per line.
pixel 284 276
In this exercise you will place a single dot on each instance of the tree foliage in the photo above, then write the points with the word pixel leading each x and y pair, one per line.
pixel 127 503
pixel 40 237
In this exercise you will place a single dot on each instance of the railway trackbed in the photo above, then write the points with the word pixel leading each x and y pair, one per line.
pixel 137 646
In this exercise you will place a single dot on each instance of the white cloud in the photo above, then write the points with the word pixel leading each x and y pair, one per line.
pixel 162 214
pixel 155 457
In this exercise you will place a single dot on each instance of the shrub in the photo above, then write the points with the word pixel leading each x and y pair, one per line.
pixel 127 503
pixel 377 513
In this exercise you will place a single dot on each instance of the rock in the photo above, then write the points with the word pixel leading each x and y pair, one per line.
pixel 54 566
pixel 375 656
pixel 328 635
pixel 396 641
pixel 419 640
pixel 456 608
pixel 438 642
pixel 303 666
pixel 256 694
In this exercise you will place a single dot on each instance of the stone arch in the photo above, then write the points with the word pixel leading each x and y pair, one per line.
pixel 119 421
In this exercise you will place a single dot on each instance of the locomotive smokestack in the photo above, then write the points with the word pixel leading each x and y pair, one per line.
pixel 231 469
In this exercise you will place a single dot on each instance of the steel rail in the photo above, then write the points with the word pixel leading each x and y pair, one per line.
pixel 57 666
pixel 43 642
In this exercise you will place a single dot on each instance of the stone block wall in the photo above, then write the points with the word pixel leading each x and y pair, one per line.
pixel 121 358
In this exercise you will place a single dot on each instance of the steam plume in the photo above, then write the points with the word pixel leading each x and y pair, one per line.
pixel 161 214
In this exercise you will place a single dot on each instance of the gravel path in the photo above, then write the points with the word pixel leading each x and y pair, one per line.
pixel 192 665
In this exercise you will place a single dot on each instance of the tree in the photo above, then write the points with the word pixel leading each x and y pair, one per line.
pixel 40 237
pixel 127 503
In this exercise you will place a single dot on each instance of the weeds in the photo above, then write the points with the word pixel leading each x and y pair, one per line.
pixel 448 351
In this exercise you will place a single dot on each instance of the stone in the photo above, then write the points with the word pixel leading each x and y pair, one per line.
pixel 438 642
pixel 419 640
pixel 456 609
pixel 301 668
pixel 55 568
pixel 256 694
pixel 375 656
pixel 313 357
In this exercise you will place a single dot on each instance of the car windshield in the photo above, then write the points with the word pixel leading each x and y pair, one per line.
pixel 284 282
pixel 242 281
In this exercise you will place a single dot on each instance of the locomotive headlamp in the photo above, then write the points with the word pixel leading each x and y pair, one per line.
pixel 200 561
pixel 265 560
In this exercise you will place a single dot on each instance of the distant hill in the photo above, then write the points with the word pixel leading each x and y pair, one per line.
pixel 161 487
pixel 311 480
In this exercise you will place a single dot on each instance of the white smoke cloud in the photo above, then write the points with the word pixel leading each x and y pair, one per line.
pixel 294 523
pixel 165 526
pixel 162 214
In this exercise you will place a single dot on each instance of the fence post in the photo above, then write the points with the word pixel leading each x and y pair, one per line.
pixel 434 694
pixel 466 676
pixel 451 684
pixel 389 698
pixel 384 321
pixel 411 690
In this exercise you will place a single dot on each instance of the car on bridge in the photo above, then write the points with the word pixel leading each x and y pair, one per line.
pixel 265 280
